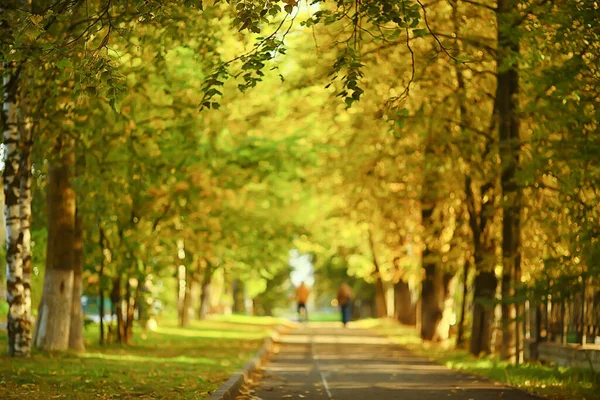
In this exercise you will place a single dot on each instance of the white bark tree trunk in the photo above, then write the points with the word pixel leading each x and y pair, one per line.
pixel 26 141
pixel 18 291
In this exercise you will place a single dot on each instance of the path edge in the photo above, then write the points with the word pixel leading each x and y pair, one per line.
pixel 231 388
pixel 506 385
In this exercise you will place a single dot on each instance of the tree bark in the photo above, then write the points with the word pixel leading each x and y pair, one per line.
pixel 18 286
pixel 55 309
pixel 117 301
pixel 483 312
pixel 485 282
pixel 26 199
pixel 100 283
pixel 101 311
pixel 76 341
pixel 184 318
pixel 464 123
pixel 238 297
pixel 404 310
pixel 460 340
pixel 432 285
pixel 205 296
pixel 380 303
pixel 508 131
pixel 434 292
pixel 130 296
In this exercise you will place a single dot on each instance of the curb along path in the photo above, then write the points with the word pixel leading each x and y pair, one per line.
pixel 324 361
pixel 231 388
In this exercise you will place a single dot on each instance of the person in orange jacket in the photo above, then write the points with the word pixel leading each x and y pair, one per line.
pixel 302 293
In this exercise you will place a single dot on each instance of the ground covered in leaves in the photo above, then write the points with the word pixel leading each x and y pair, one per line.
pixel 557 383
pixel 168 363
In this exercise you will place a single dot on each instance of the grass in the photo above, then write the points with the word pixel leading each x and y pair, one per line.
pixel 552 381
pixel 171 362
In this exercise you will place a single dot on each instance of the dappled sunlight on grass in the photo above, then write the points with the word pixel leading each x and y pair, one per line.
pixel 243 319
pixel 553 381
pixel 256 335
pixel 574 383
pixel 171 363
pixel 146 359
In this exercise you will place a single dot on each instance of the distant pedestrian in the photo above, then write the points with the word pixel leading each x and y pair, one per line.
pixel 302 293
pixel 344 298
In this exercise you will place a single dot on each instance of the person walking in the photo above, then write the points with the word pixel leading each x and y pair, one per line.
pixel 344 298
pixel 302 293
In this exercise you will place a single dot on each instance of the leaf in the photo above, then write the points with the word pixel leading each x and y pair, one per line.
pixel 420 32
pixel 64 63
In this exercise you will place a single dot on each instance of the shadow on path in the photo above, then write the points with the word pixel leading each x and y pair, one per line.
pixel 326 361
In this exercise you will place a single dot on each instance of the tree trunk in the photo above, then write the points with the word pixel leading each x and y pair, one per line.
pixel 26 143
pixel 380 302
pixel 18 287
pixel 205 296
pixel 464 123
pixel 434 292
pixel 404 308
pixel 76 333
pixel 508 130
pixel 431 315
pixel 117 300
pixel 431 288
pixel 55 309
pixel 460 340
pixel 184 318
pixel 483 312
pixel 26 198
pixel 130 312
pixel 101 311
pixel 485 282
pixel 238 297
pixel 124 323
pixel 485 285
pixel 100 283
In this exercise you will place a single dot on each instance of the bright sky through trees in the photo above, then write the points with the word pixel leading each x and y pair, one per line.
pixel 302 269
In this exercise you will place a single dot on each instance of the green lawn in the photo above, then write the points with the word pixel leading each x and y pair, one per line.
pixel 168 363
pixel 551 381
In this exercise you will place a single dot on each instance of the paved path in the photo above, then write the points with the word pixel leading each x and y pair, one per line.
pixel 326 361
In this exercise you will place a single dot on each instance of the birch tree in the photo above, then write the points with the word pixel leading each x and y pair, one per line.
pixel 16 158
pixel 17 216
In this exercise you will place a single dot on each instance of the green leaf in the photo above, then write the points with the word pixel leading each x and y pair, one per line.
pixel 64 63
pixel 420 32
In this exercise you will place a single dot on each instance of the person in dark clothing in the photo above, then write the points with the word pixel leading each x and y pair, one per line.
pixel 344 298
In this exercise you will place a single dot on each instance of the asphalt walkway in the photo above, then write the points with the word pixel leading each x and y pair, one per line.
pixel 326 361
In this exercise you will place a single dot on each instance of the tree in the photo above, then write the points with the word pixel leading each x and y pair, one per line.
pixel 54 319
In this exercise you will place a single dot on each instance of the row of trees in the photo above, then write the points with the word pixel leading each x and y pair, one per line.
pixel 460 157
pixel 478 155
pixel 100 113
pixel 101 104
